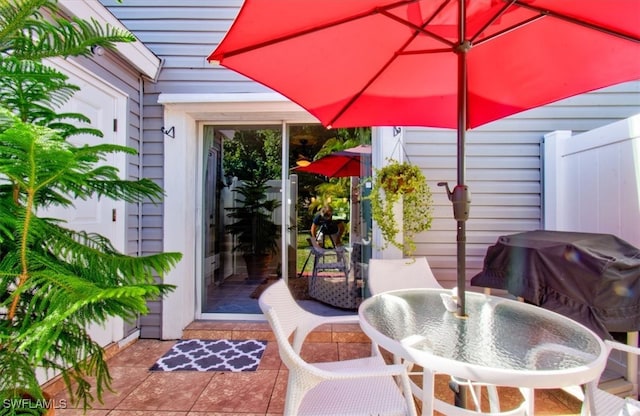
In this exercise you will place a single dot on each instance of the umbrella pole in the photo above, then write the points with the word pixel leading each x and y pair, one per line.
pixel 460 197
pixel 461 239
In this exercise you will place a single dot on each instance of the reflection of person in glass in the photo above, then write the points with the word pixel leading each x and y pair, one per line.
pixel 323 225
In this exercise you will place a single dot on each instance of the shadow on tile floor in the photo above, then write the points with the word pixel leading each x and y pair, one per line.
pixel 139 392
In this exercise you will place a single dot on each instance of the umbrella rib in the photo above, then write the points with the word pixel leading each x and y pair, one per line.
pixel 551 13
pixel 421 29
pixel 508 29
pixel 417 30
pixel 500 12
pixel 362 90
pixel 425 51
pixel 319 28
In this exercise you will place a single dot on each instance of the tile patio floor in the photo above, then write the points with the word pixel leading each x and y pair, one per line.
pixel 140 392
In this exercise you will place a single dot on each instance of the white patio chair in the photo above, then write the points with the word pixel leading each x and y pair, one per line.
pixel 340 291
pixel 363 386
pixel 408 273
pixel 293 315
pixel 600 402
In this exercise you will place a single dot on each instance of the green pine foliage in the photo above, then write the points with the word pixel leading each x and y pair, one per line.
pixel 255 232
pixel 55 281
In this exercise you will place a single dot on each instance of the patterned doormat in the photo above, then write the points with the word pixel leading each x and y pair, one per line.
pixel 212 355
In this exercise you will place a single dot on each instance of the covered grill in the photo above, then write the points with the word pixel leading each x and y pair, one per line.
pixel 591 278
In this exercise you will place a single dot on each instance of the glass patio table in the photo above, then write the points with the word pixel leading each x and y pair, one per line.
pixel 502 342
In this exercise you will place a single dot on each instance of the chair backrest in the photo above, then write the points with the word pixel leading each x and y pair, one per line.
pixel 302 376
pixel 287 318
pixel 315 246
pixel 319 250
pixel 392 274
pixel 288 355
pixel 278 297
pixel 345 381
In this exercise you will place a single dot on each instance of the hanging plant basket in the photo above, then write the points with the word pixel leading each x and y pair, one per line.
pixel 401 182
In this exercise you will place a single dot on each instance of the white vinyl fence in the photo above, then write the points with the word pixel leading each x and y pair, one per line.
pixel 592 184
pixel 592 180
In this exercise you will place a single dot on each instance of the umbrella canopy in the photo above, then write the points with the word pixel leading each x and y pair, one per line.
pixel 391 62
pixel 363 149
pixel 337 165
pixel 438 63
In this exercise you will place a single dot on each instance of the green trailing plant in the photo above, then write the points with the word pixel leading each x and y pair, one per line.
pixel 401 182
pixel 56 281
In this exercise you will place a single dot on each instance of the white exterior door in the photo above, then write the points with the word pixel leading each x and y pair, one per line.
pixel 103 105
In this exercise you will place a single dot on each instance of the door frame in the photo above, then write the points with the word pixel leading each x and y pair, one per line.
pixel 200 204
pixel 187 114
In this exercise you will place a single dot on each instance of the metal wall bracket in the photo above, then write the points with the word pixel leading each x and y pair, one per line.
pixel 170 132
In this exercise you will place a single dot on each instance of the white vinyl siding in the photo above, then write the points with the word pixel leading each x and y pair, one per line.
pixel 503 172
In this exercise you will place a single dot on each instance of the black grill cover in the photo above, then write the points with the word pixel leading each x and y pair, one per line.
pixel 591 278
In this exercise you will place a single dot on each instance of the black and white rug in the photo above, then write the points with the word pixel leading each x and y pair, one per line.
pixel 212 355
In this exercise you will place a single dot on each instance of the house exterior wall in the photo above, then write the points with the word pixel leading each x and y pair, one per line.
pixel 116 72
pixel 503 162
pixel 123 69
pixel 182 34
pixel 504 165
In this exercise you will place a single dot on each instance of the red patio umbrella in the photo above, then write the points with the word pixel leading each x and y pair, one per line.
pixel 439 63
pixel 345 163
pixel 335 165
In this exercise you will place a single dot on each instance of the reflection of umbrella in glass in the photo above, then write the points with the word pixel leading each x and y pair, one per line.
pixel 439 63
pixel 348 162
